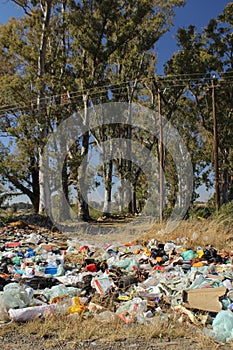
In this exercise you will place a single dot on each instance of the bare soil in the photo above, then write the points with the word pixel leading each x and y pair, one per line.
pixel 15 341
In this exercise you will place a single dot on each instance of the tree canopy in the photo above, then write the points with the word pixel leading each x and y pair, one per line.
pixel 64 57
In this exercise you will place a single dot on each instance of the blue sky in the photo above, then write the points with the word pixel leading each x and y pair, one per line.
pixel 196 12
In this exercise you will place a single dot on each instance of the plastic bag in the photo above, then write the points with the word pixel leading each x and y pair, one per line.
pixel 188 254
pixel 129 264
pixel 102 284
pixel 15 296
pixel 106 317
pixel 222 327
pixel 3 311
pixel 31 313
pixel 134 308
pixel 61 290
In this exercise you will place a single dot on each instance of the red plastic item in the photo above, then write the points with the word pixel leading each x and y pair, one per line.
pixel 12 244
pixel 91 268
pixel 83 248
pixel 158 268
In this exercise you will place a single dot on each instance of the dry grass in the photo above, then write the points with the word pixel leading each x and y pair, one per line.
pixel 193 233
pixel 72 330
pixel 189 233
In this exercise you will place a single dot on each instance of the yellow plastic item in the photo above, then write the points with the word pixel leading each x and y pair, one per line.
pixel 77 307
pixel 158 258
pixel 124 297
pixel 200 253
pixel 147 251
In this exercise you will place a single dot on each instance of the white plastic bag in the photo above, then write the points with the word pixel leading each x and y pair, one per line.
pixel 31 313
pixel 222 327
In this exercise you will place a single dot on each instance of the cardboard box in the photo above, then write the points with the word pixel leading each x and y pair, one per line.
pixel 206 299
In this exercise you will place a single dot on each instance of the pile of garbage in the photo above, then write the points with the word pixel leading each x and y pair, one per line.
pixel 44 273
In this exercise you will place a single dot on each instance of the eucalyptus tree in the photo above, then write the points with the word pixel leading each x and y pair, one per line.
pixel 58 48
pixel 35 48
pixel 135 29
pixel 204 65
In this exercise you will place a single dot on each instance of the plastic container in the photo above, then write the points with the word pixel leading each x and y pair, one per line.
pixel 51 270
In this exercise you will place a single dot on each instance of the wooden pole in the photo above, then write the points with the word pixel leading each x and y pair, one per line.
pixel 160 159
pixel 216 171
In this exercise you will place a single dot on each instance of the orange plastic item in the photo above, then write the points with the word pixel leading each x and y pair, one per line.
pixel 17 276
pixel 197 264
pixel 128 244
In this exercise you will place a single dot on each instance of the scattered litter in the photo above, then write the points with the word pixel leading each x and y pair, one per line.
pixel 43 273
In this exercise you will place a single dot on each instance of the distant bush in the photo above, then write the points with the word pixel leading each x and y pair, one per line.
pixel 225 214
pixel 200 211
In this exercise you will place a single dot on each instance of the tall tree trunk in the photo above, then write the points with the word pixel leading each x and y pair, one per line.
pixel 35 189
pixel 129 151
pixel 230 192
pixel 134 199
pixel 41 105
pixel 83 213
pixel 123 185
pixel 108 190
pixel 34 196
pixel 64 213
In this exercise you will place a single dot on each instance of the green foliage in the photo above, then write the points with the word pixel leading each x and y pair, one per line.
pixel 203 211
pixel 201 55
pixel 54 60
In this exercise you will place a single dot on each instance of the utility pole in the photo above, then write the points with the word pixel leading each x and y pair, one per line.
pixel 216 172
pixel 160 159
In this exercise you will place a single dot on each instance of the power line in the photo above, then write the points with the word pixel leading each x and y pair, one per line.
pixel 168 78
pixel 113 87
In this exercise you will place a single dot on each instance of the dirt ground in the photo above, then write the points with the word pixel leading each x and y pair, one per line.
pixel 15 336
pixel 17 342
